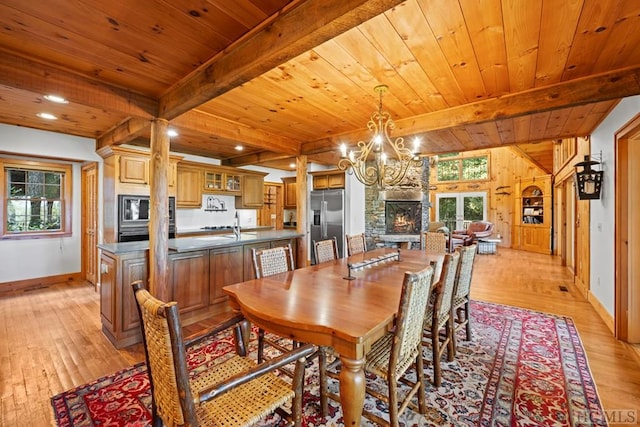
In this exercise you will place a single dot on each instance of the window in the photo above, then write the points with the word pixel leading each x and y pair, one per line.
pixel 453 167
pixel 36 199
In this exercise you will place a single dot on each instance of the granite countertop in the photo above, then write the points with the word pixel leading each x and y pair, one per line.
pixel 182 232
pixel 187 244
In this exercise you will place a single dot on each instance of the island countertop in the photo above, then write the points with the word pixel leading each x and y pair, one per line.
pixel 187 244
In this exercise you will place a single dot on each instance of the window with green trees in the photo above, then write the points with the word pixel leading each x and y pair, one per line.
pixel 36 198
pixel 453 168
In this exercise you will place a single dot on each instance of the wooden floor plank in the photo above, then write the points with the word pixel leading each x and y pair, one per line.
pixel 51 339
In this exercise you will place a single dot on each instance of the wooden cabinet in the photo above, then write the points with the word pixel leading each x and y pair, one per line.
pixel 134 169
pixel 219 181
pixel 252 194
pixel 118 311
pixel 189 279
pixel 532 223
pixel 290 193
pixel 127 171
pixel 226 268
pixel 195 281
pixel 324 180
pixel 189 188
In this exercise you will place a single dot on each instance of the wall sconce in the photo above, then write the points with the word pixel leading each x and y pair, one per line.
pixel 588 181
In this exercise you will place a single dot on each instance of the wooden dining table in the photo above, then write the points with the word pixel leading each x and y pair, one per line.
pixel 333 305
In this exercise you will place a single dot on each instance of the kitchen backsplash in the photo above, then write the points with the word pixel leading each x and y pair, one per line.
pixel 187 218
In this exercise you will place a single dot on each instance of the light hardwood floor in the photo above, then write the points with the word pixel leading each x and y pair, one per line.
pixel 50 338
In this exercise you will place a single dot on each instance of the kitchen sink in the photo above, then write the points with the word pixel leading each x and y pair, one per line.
pixel 217 237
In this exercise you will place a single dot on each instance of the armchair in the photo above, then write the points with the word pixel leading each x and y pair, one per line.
pixel 476 230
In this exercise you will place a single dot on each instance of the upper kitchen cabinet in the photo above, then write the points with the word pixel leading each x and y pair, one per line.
pixel 221 181
pixel 252 194
pixel 189 187
pixel 196 179
pixel 290 196
pixel 130 170
pixel 323 180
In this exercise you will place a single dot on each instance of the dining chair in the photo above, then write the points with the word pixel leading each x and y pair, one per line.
pixel 461 298
pixel 392 356
pixel 439 315
pixel 234 392
pixel 356 244
pixel 434 241
pixel 325 250
pixel 267 262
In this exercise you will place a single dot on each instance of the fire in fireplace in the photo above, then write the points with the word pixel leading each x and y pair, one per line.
pixel 403 217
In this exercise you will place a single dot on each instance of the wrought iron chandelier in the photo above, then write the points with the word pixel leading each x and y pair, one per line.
pixel 376 170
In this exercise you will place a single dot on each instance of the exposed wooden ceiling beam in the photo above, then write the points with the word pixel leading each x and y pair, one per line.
pixel 126 131
pixel 288 34
pixel 256 158
pixel 35 77
pixel 602 87
pixel 213 125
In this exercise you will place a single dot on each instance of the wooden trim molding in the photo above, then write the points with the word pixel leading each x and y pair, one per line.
pixel 602 312
pixel 27 285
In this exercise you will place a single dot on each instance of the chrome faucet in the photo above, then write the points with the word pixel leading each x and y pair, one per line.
pixel 236 227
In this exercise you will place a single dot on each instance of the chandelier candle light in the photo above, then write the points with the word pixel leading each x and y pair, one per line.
pixel 375 171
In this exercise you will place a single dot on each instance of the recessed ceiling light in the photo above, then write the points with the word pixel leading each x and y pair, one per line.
pixel 55 98
pixel 239 148
pixel 47 116
pixel 172 133
pixel 292 165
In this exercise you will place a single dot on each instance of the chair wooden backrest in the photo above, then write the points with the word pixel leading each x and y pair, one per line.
pixel 465 270
pixel 325 250
pixel 446 287
pixel 414 297
pixel 165 351
pixel 221 393
pixel 435 242
pixel 356 244
pixel 267 262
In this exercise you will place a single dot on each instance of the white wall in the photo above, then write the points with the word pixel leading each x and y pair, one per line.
pixel 602 223
pixel 34 258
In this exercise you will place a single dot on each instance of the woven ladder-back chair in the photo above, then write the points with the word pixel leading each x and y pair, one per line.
pixel 461 298
pixel 356 244
pixel 325 250
pixel 435 242
pixel 234 392
pixel 267 262
pixel 400 349
pixel 439 315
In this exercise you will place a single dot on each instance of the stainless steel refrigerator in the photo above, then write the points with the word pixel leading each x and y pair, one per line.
pixel 327 217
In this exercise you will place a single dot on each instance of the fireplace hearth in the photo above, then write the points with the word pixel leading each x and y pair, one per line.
pixel 403 217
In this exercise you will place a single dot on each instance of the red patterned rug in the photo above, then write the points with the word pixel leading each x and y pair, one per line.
pixel 522 368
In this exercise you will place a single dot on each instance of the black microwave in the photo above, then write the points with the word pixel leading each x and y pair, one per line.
pixel 134 210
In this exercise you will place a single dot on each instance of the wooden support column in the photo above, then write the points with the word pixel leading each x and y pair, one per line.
pixel 302 210
pixel 159 211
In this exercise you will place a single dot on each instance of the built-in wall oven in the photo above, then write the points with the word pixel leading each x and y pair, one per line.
pixel 133 218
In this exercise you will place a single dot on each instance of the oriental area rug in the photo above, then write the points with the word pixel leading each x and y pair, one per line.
pixel 522 368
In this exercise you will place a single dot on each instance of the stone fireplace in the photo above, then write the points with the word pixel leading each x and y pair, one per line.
pixel 403 217
pixel 396 216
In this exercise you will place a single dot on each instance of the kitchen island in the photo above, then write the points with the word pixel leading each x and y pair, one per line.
pixel 199 267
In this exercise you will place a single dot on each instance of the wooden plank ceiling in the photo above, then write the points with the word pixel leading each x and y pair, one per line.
pixel 283 78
